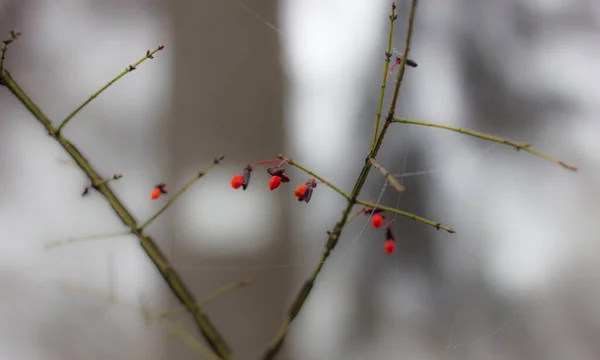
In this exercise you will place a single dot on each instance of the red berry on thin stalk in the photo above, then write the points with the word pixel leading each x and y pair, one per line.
pixel 237 181
pixel 389 246
pixel 274 182
pixel 300 191
pixel 158 191
pixel 376 220
pixel 279 172
pixel 390 243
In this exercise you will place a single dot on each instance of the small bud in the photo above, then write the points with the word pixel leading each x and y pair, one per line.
pixel 388 233
pixel 308 193
pixel 246 177
pixel 278 171
pixel 311 184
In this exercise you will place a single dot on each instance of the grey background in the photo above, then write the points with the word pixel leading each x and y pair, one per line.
pixel 518 280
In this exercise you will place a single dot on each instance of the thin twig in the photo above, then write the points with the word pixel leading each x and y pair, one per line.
pixel 105 181
pixel 14 34
pixel 388 55
pixel 353 216
pixel 517 145
pixel 334 235
pixel 173 328
pixel 130 68
pixel 406 214
pixel 311 173
pixel 175 196
pixel 209 298
pixel 171 277
pixel 72 240
pixel 399 78
pixel 395 183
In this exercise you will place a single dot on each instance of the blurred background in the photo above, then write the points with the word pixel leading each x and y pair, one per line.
pixel 251 79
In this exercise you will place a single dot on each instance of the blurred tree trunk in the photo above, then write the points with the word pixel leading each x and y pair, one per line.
pixel 227 98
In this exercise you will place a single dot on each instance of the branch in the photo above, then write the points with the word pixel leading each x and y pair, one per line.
pixel 168 273
pixel 395 183
pixel 114 177
pixel 130 68
pixel 334 235
pixel 406 214
pixel 400 77
pixel 172 200
pixel 14 34
pixel 173 328
pixel 71 240
pixel 311 173
pixel 388 55
pixel 517 145
pixel 209 298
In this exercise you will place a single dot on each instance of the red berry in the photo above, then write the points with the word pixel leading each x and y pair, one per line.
pixel 237 181
pixel 389 246
pixel 158 190
pixel 300 191
pixel 155 193
pixel 376 220
pixel 274 182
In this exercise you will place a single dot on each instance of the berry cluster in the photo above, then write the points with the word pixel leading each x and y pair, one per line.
pixel 303 192
pixel 377 218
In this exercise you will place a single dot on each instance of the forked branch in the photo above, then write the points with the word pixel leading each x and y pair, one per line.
pixel 517 145
pixel 172 278
pixel 335 234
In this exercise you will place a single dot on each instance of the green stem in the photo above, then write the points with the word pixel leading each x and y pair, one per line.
pixel 14 34
pixel 209 298
pixel 406 214
pixel 129 69
pixel 85 238
pixel 173 328
pixel 311 173
pixel 175 196
pixel 104 181
pixel 386 66
pixel 517 145
pixel 172 278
